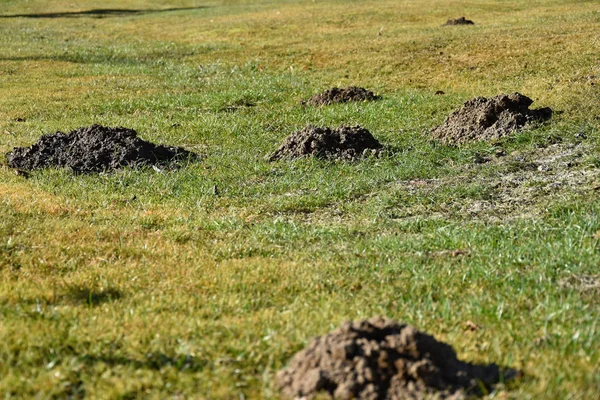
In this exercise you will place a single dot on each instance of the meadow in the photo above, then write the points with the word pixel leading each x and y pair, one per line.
pixel 202 282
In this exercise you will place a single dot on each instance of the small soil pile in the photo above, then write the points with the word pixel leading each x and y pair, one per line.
pixel 337 95
pixel 459 21
pixel 95 149
pixel 345 142
pixel 489 118
pixel 382 359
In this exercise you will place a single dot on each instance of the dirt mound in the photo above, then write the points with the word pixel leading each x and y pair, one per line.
pixel 345 142
pixel 489 118
pixel 459 21
pixel 382 359
pixel 95 149
pixel 337 95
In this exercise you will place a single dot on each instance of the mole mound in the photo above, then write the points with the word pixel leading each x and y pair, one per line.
pixel 337 95
pixel 459 21
pixel 345 142
pixel 95 149
pixel 489 118
pixel 382 359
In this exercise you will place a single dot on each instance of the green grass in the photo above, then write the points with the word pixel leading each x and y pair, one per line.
pixel 181 293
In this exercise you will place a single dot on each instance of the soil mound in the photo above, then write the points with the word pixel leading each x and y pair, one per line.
pixel 337 95
pixel 382 359
pixel 95 149
pixel 489 118
pixel 459 21
pixel 345 142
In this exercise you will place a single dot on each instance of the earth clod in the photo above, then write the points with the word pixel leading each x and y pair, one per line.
pixel 379 358
pixel 459 21
pixel 491 118
pixel 337 95
pixel 95 149
pixel 345 142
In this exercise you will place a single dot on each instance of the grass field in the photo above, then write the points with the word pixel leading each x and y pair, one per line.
pixel 140 284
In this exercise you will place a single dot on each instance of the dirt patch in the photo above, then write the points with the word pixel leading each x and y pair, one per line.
pixel 581 283
pixel 459 21
pixel 337 95
pixel 382 359
pixel 489 118
pixel 522 184
pixel 95 149
pixel 345 142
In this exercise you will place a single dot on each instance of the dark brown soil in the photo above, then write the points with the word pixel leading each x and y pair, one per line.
pixel 95 149
pixel 345 142
pixel 489 118
pixel 459 21
pixel 337 95
pixel 382 359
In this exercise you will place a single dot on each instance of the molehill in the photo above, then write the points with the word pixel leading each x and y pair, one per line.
pixel 337 95
pixel 489 119
pixel 381 359
pixel 96 149
pixel 345 142
pixel 459 21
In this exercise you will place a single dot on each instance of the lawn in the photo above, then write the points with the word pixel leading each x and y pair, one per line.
pixel 202 282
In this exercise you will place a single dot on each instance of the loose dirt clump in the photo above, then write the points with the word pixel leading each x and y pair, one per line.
pixel 381 359
pixel 489 119
pixel 459 21
pixel 345 142
pixel 95 149
pixel 337 95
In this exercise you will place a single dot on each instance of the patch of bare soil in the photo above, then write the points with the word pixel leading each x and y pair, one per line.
pixel 95 149
pixel 381 359
pixel 582 283
pixel 459 21
pixel 345 142
pixel 526 181
pixel 516 185
pixel 337 95
pixel 489 119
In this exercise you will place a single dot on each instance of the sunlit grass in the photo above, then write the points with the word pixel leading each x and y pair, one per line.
pixel 140 284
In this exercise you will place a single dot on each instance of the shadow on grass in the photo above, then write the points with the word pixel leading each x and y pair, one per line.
pixel 76 295
pixel 87 59
pixel 92 297
pixel 152 361
pixel 100 13
pixel 80 56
